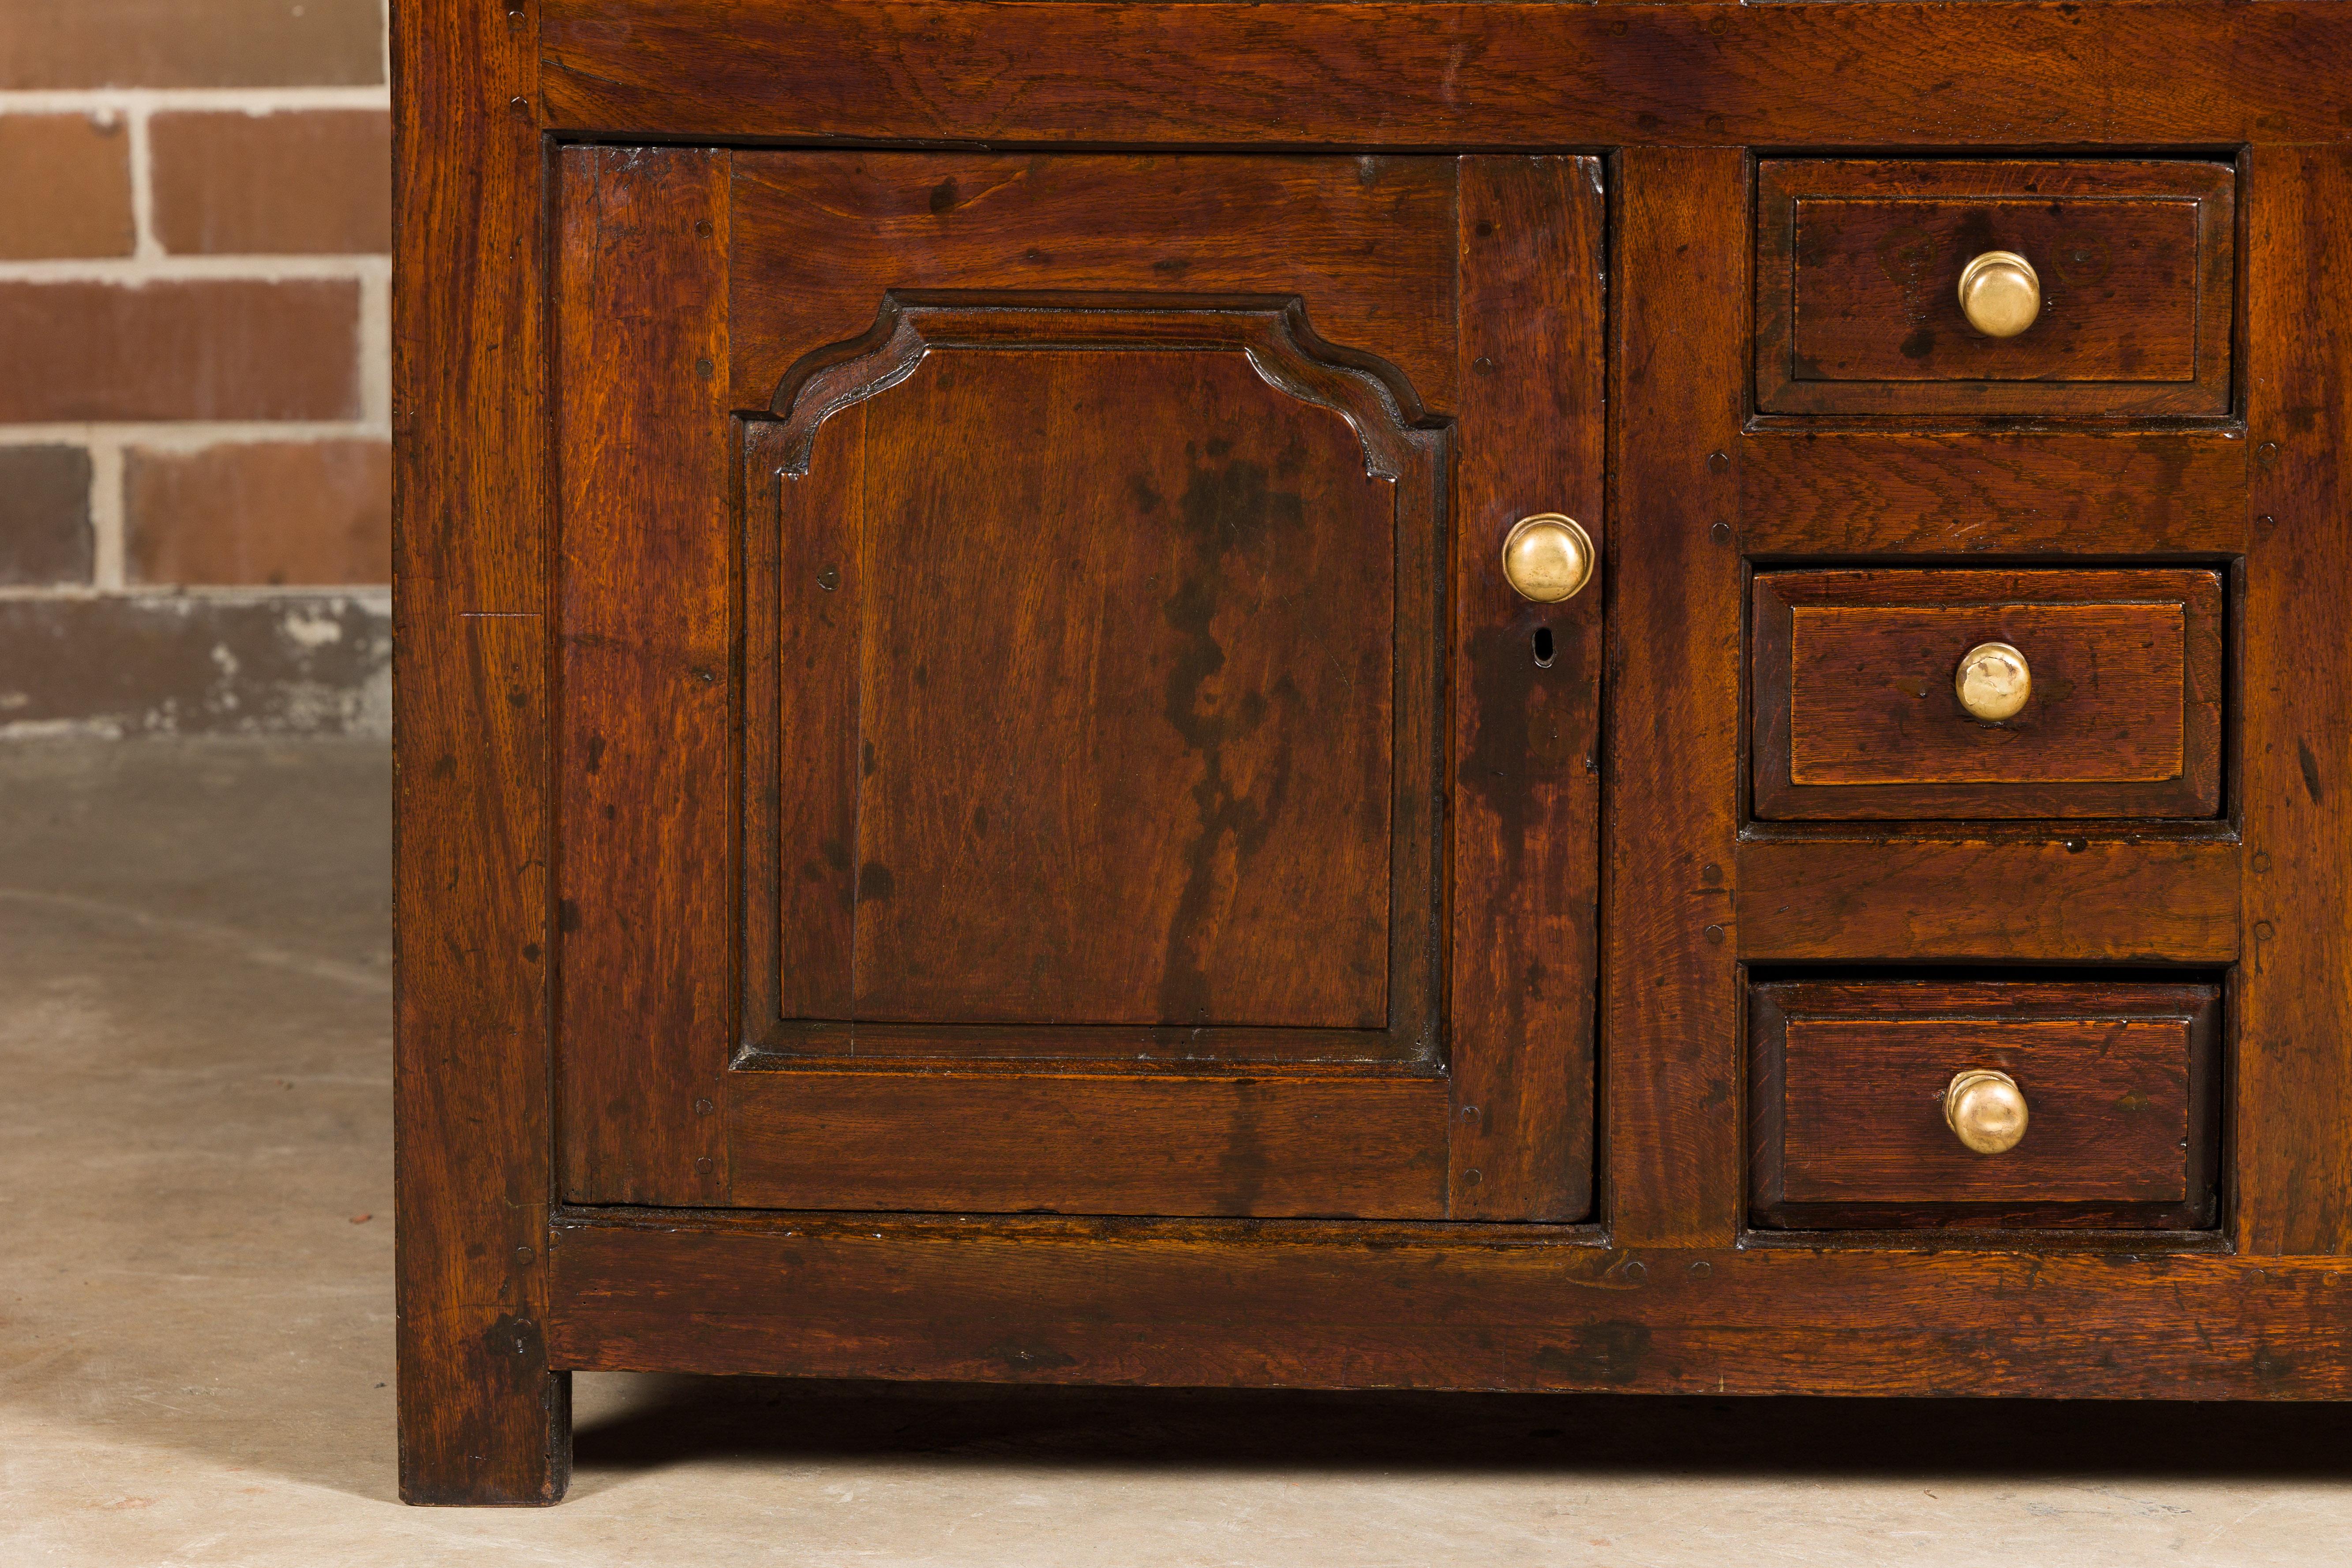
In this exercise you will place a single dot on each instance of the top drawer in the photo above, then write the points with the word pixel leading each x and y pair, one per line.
pixel 2124 268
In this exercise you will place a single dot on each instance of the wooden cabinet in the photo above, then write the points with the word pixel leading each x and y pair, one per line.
pixel 1360 695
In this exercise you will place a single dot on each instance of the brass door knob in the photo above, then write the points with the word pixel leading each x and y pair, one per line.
pixel 2001 293
pixel 1548 557
pixel 1993 681
pixel 1986 1109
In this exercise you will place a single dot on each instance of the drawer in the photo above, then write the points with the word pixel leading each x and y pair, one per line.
pixel 1861 710
pixel 2126 274
pixel 1861 1093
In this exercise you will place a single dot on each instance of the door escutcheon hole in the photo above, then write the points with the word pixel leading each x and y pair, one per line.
pixel 1543 647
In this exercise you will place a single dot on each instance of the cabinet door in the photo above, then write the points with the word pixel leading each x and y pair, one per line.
pixel 1042 723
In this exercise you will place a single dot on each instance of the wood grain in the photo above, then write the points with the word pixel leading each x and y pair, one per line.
pixel 1846 1093
pixel 2066 900
pixel 1670 1001
pixel 1846 493
pixel 1321 143
pixel 1166 782
pixel 646 565
pixel 1858 267
pixel 1028 1141
pixel 1401 76
pixel 483 1419
pixel 803 582
pixel 1526 786
pixel 2295 1084
pixel 1115 1302
pixel 1091 706
pixel 1855 715
pixel 1367 242
pixel 1125 710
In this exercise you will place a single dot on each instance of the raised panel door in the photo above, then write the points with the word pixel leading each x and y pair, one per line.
pixel 1042 726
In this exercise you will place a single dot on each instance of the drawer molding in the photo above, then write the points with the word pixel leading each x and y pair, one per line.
pixel 1855 716
pixel 1858 263
pixel 1847 1081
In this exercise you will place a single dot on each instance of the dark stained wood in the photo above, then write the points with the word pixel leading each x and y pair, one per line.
pixel 1014 1140
pixel 1161 782
pixel 1125 718
pixel 1846 493
pixel 802 586
pixel 1845 1104
pixel 1861 1125
pixel 819 241
pixel 483 1417
pixel 1345 180
pixel 1367 242
pixel 1670 999
pixel 2294 996
pixel 643 564
pixel 2073 899
pixel 1857 273
pixel 1453 1306
pixel 1527 783
pixel 1864 708
pixel 1090 694
pixel 1990 74
pixel 1855 714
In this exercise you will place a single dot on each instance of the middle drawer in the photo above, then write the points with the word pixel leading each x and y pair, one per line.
pixel 1942 694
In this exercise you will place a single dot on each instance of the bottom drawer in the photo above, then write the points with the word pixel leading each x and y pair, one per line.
pixel 1987 1104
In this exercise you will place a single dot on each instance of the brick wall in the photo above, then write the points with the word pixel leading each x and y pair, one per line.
pixel 194 366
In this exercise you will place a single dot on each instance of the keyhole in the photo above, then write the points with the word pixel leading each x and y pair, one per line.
pixel 1543 647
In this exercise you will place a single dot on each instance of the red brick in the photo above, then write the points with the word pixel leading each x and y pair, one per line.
pixel 68 179
pixel 44 515
pixel 314 181
pixel 190 43
pixel 285 511
pixel 202 350
pixel 164 664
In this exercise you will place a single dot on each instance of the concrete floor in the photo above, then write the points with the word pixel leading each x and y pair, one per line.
pixel 195 1315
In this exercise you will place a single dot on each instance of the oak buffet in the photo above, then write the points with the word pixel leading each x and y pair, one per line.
pixel 1646 696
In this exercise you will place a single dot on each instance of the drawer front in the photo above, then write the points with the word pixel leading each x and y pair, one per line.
pixel 2125 274
pixel 1861 711
pixel 1850 1085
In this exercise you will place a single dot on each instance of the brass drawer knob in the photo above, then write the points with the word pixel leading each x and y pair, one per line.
pixel 2001 293
pixel 1986 1109
pixel 1548 557
pixel 1993 681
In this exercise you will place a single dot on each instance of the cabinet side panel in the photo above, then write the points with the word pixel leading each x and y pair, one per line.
pixel 482 1419
pixel 2293 1133
pixel 645 790
pixel 1525 789
pixel 1671 1005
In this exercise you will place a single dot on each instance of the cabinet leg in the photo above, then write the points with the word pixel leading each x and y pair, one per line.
pixel 482 1419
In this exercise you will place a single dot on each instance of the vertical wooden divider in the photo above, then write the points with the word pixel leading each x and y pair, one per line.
pixel 646 558
pixel 2294 1112
pixel 1670 996
pixel 1527 791
pixel 482 1419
